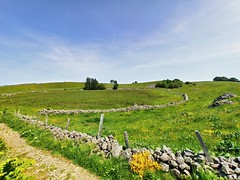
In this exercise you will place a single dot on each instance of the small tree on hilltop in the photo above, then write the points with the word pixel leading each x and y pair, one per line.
pixel 115 86
pixel 92 84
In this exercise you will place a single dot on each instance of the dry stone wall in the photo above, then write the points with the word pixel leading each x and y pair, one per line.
pixel 223 99
pixel 181 162
pixel 135 107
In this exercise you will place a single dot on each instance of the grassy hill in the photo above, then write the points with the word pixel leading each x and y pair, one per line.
pixel 171 126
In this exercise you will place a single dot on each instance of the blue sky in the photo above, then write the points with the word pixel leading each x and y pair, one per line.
pixel 126 40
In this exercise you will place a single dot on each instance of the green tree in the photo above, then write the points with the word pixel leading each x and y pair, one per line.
pixel 92 84
pixel 115 86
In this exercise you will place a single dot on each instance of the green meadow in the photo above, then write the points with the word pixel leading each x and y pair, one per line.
pixel 171 126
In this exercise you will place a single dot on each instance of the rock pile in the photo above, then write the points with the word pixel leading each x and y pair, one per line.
pixel 179 163
pixel 223 99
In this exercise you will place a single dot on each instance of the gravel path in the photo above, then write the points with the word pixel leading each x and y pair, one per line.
pixel 47 166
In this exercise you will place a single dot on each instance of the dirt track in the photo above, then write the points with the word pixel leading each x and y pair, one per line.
pixel 47 166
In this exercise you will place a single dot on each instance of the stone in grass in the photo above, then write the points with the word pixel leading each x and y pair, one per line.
pixel 173 163
pixel 215 166
pixel 127 153
pixel 116 151
pixel 104 146
pixel 165 167
pixel 158 151
pixel 184 166
pixel 237 171
pixel 186 172
pixel 226 169
pixel 232 176
pixel 216 160
pixel 164 157
pixel 188 160
pixel 176 172
pixel 188 153
pixel 179 159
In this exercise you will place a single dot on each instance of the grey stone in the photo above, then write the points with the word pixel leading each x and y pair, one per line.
pixel 233 165
pixel 188 153
pixel 226 169
pixel 215 166
pixel 172 156
pixel 201 159
pixel 232 176
pixel 183 166
pixel 176 172
pixel 186 172
pixel 164 157
pixel 222 159
pixel 167 149
pixel 188 160
pixel 237 171
pixel 158 151
pixel 134 151
pixel 173 163
pixel 165 167
pixel 116 151
pixel 216 160
pixel 104 146
pixel 179 159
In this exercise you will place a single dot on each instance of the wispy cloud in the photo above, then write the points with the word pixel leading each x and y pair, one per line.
pixel 193 42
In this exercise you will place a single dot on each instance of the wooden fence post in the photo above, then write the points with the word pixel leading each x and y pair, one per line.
pixel 68 122
pixel 126 139
pixel 204 147
pixel 46 120
pixel 100 126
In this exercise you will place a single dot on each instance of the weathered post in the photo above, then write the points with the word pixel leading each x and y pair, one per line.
pixel 68 122
pixel 126 139
pixel 204 147
pixel 46 121
pixel 100 126
pixel 185 97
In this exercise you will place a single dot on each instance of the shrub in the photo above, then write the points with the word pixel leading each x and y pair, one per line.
pixel 142 163
pixel 92 84
pixel 13 168
pixel 223 78
pixel 101 87
pixel 115 86
pixel 176 83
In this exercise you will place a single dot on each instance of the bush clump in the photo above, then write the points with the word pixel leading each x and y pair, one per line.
pixel 142 163
pixel 92 84
pixel 170 84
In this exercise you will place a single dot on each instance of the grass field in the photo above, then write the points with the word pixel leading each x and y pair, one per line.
pixel 171 126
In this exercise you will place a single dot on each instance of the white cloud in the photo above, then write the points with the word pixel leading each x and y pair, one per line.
pixel 191 44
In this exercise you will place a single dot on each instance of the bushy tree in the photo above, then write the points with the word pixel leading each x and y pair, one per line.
pixel 223 78
pixel 176 83
pixel 233 79
pixel 115 86
pixel 92 84
pixel 101 87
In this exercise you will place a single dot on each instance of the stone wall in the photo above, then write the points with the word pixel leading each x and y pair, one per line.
pixel 223 99
pixel 181 162
pixel 135 107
